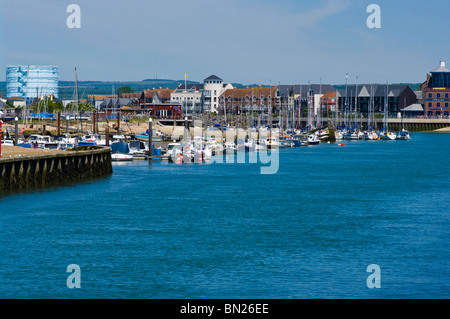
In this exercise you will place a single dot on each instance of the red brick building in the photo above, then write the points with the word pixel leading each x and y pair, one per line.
pixel 258 99
pixel 436 92
pixel 328 101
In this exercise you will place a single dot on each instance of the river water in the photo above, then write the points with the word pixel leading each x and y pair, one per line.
pixel 224 230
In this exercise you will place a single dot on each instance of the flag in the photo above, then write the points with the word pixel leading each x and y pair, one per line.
pixel 185 75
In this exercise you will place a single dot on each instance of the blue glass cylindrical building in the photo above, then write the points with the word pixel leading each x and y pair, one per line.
pixel 31 81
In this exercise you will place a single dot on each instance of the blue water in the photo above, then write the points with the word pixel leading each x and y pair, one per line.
pixel 226 231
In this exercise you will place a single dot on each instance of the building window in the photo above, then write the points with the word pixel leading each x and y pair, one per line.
pixel 429 95
pixel 429 104
pixel 438 95
pixel 438 104
pixel 446 95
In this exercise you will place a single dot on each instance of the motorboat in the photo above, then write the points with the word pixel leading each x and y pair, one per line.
pixel 229 148
pixel 138 149
pixel 313 139
pixel 302 140
pixel 120 151
pixel 118 138
pixel 272 142
pixel 338 135
pixel 261 145
pixel 174 151
pixel 8 142
pixel 40 140
pixel 249 144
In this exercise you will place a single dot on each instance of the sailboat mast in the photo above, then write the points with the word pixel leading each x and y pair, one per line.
pixel 319 113
pixel 76 95
pixel 25 118
pixel 346 102
pixel 356 103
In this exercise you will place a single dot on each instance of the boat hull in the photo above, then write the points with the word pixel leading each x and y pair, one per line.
pixel 117 157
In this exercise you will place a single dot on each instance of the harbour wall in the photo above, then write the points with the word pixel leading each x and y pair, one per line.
pixel 50 170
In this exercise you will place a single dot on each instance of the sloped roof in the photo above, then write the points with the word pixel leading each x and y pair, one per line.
pixel 162 93
pixel 441 69
pixel 364 92
pixel 115 103
pixel 374 89
pixel 304 88
pixel 213 77
pixel 413 108
pixel 189 87
pixel 256 91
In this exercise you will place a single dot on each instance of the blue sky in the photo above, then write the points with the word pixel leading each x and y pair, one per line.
pixel 243 41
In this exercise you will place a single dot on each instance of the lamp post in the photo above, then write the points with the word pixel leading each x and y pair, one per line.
pixel 16 131
pixel 1 124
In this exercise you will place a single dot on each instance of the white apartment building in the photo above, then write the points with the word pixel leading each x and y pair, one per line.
pixel 190 97
pixel 213 87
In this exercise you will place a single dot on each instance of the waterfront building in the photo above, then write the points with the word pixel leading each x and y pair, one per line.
pixel 97 99
pixel 413 110
pixel 213 88
pixel 397 96
pixel 157 102
pixel 190 96
pixel 31 81
pixel 304 94
pixel 16 102
pixel 328 101
pixel 436 92
pixel 257 100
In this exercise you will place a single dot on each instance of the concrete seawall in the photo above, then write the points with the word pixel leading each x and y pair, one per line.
pixel 55 169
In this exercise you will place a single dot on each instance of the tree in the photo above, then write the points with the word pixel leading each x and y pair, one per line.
pixel 124 89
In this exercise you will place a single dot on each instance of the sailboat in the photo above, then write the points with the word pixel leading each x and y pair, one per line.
pixel 385 134
pixel 403 134
pixel 370 134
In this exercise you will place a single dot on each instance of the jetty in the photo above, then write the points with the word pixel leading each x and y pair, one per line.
pixel 22 169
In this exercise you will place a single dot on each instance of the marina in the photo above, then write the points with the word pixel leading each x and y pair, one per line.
pixel 227 158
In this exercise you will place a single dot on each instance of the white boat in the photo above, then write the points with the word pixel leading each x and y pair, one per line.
pixel 261 145
pixel 8 142
pixel 388 136
pixel 229 148
pixel 215 147
pixel 65 145
pixel 250 144
pixel 40 140
pixel 118 138
pixel 338 134
pixel 138 149
pixel 119 157
pixel 173 151
pixel 272 142
pixel 120 151
pixel 404 135
pixel 313 139
pixel 371 136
